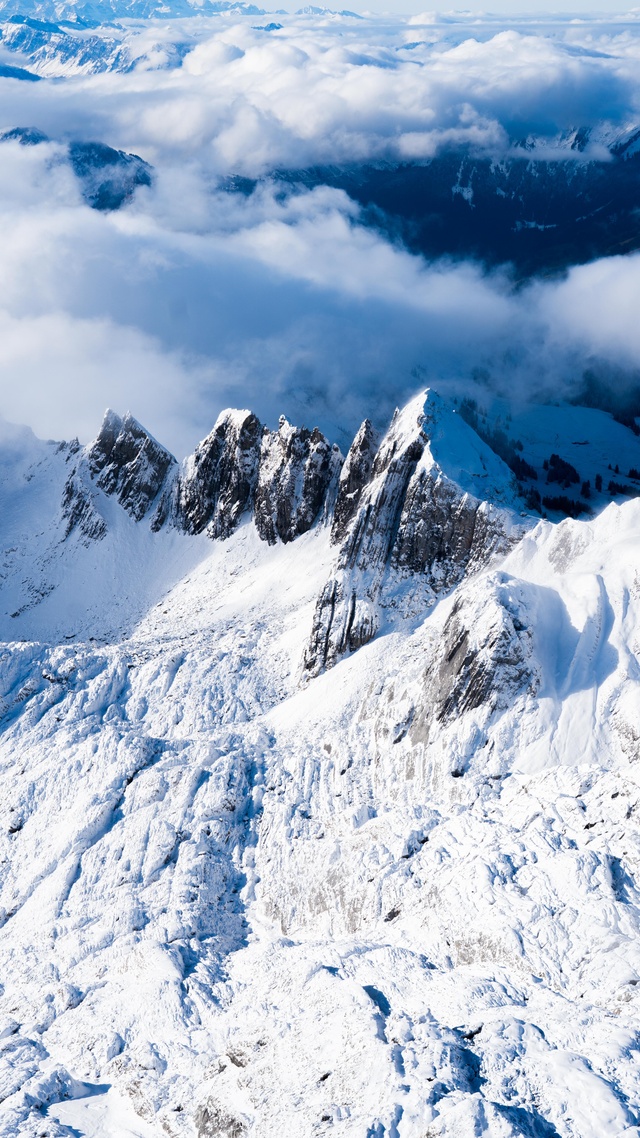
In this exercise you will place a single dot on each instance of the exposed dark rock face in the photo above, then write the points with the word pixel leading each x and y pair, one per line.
pixel 396 514
pixel 9 72
pixel 109 177
pixel 409 519
pixel 354 476
pixel 372 535
pixel 443 532
pixel 346 613
pixel 217 484
pixel 297 479
pixel 483 659
pixel 476 664
pixel 288 478
pixel 127 462
pixel 79 511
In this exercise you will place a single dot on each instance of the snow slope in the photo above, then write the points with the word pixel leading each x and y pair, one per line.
pixel 395 898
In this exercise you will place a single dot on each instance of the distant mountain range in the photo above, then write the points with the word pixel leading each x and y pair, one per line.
pixel 108 177
pixel 102 11
pixel 542 206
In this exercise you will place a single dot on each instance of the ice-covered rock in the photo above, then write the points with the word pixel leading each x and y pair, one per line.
pixel 298 474
pixel 435 502
pixel 216 485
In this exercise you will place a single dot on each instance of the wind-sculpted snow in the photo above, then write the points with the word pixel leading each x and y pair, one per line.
pixel 399 898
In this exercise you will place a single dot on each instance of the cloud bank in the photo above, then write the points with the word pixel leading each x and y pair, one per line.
pixel 192 298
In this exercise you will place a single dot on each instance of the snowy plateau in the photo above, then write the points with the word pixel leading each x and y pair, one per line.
pixel 320 788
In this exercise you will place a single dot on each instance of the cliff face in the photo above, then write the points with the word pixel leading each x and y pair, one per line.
pixel 427 501
pixel 354 477
pixel 126 461
pixel 216 484
pixel 298 472
pixel 409 510
pixel 287 479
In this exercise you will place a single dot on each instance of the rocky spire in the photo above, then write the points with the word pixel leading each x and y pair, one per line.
pixel 127 462
pixel 298 475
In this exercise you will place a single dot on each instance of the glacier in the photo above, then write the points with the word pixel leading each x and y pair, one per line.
pixel 320 789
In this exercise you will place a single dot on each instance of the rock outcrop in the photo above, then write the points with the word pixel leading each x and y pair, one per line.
pixel 409 517
pixel 126 461
pixel 297 478
pixel 79 511
pixel 216 484
pixel 484 658
pixel 354 476
pixel 443 532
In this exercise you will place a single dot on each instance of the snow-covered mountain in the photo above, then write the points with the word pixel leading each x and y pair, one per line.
pixel 540 193
pixel 320 789
pixel 542 203
pixel 103 11
pixel 67 40
pixel 108 178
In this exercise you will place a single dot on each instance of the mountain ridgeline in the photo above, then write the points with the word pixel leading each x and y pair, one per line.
pixel 262 895
pixel 284 477
pixel 395 507
pixel 435 498
pixel 541 206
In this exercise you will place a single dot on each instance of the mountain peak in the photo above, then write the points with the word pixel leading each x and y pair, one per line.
pixel 126 461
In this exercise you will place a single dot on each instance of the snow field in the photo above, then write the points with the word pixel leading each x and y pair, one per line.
pixel 399 900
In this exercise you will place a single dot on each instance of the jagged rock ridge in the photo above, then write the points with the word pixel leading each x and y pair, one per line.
pixel 253 909
pixel 287 479
pixel 401 514
pixel 397 507
pixel 127 462
pixel 297 475
pixel 216 484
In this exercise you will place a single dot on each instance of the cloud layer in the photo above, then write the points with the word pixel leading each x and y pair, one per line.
pixel 336 89
pixel 192 298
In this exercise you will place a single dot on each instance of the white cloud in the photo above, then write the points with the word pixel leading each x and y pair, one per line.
pixel 316 91
pixel 596 310
pixel 191 299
